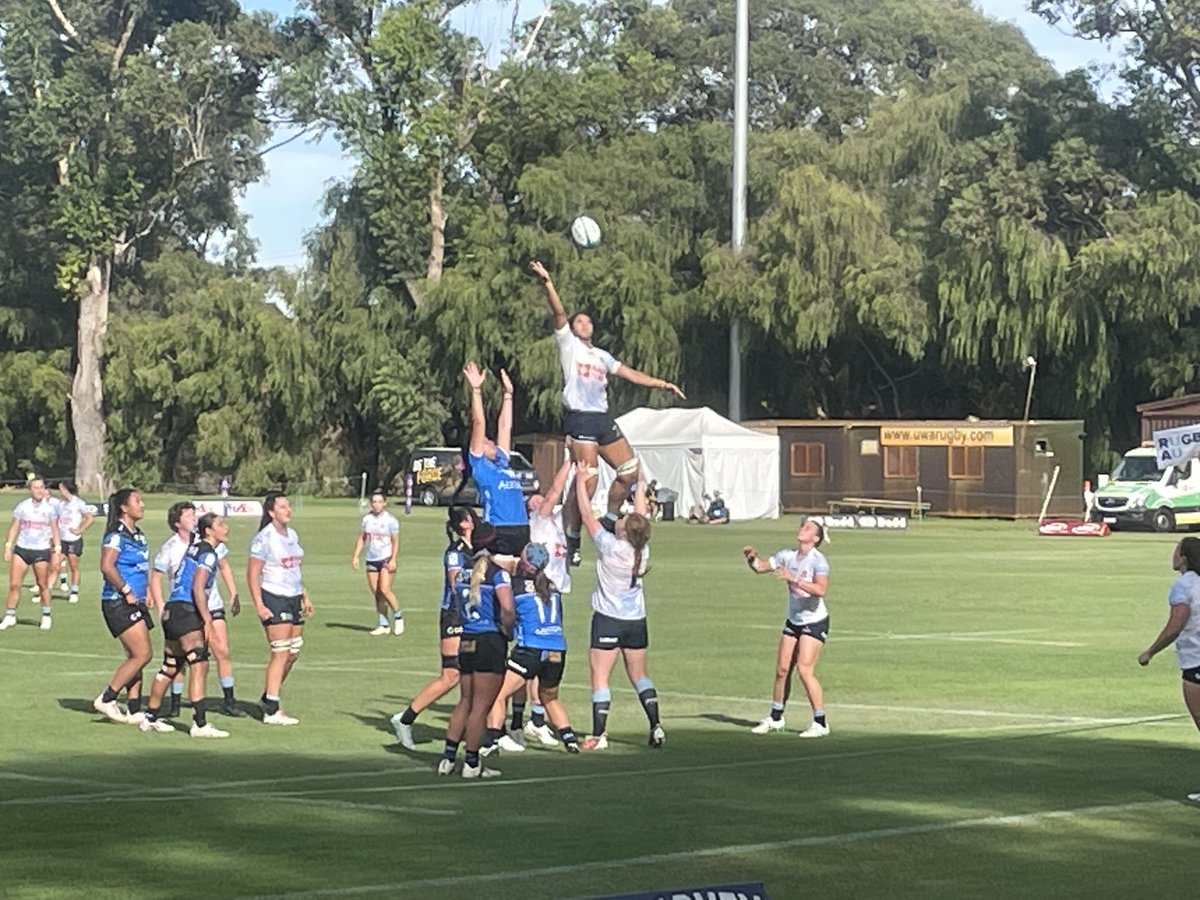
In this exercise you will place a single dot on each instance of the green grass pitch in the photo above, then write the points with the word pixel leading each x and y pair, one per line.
pixel 992 735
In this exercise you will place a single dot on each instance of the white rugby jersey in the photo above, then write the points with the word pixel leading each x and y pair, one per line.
pixel 379 530
pixel 585 372
pixel 803 608
pixel 614 595
pixel 33 523
pixel 548 530
pixel 70 517
pixel 282 555
pixel 170 557
pixel 215 601
pixel 1186 591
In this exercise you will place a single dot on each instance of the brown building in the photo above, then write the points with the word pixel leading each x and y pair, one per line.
pixel 1172 413
pixel 957 468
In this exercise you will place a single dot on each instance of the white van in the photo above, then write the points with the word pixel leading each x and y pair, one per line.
pixel 1139 494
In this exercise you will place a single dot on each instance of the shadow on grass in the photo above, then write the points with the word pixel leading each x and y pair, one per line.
pixel 1092 811
pixel 348 626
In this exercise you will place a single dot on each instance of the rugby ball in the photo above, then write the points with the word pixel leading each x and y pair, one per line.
pixel 585 232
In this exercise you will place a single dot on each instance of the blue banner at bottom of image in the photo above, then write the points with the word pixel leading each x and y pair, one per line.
pixel 748 891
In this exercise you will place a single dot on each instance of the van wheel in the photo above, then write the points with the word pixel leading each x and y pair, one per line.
pixel 1164 520
pixel 428 497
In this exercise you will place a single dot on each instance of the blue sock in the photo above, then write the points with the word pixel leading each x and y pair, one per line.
pixel 176 688
pixel 46 611
pixel 397 615
pixel 537 715
pixel 383 621
pixel 649 699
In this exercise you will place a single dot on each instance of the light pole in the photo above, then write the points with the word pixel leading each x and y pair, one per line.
pixel 1029 364
pixel 741 75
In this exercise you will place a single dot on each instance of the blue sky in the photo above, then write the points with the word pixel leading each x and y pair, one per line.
pixel 286 204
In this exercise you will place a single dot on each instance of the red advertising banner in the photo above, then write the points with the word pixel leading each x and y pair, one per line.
pixel 1073 528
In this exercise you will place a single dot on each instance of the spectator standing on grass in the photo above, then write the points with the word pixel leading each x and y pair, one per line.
pixel 806 571
pixel 1183 626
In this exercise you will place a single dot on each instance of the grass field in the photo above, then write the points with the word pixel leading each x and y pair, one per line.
pixel 992 736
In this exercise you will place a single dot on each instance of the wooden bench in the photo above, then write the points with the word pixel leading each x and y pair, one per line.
pixel 856 504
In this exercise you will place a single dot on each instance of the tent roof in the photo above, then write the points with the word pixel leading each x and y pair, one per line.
pixel 685 427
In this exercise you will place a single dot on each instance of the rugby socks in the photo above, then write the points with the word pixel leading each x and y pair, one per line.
pixel 450 752
pixel 199 715
pixel 471 760
pixel 609 522
pixel 152 713
pixel 46 612
pixel 227 689
pixel 518 717
pixel 109 695
pixel 397 615
pixel 270 704
pixel 537 715
pixel 819 716
pixel 649 699
pixel 408 716
pixel 383 622
pixel 601 701
pixel 567 735
pixel 776 711
pixel 492 736
pixel 135 705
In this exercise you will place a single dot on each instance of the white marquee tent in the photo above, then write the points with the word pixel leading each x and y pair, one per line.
pixel 695 452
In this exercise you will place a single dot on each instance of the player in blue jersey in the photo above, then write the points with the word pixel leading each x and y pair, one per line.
pixel 188 628
pixel 460 525
pixel 486 608
pixel 125 565
pixel 806 572
pixel 499 487
pixel 541 648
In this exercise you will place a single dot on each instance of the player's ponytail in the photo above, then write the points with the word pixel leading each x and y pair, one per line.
pixel 637 533
pixel 269 502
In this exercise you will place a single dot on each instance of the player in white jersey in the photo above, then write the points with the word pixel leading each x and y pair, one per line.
pixel 181 520
pixel 587 422
pixel 32 542
pixel 280 599
pixel 379 533
pixel 619 613
pixel 806 629
pixel 74 518
pixel 1183 627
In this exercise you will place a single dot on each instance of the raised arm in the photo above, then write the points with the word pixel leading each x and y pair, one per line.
pixel 475 379
pixel 556 488
pixel 587 517
pixel 505 420
pixel 635 377
pixel 639 497
pixel 556 307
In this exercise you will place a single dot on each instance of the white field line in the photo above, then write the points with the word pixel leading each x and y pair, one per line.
pixel 680 695
pixel 982 637
pixel 824 840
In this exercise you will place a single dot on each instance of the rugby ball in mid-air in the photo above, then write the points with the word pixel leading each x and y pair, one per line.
pixel 585 232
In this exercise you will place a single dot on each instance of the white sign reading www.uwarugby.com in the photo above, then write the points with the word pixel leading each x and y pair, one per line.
pixel 890 523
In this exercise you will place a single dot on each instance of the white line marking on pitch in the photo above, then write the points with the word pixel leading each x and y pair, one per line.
pixel 823 840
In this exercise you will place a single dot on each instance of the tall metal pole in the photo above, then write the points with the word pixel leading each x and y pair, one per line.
pixel 741 77
pixel 1031 365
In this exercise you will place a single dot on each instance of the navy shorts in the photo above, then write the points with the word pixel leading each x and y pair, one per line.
pixel 482 653
pixel 818 630
pixel 591 427
pixel 34 556
pixel 544 665
pixel 1192 676
pixel 284 610
pixel 618 634
pixel 377 565
pixel 180 619
pixel 449 624
pixel 510 539
pixel 73 548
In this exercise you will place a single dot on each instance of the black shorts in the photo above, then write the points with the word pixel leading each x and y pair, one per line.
pixel 618 634
pixel 180 619
pixel 284 610
pixel 482 653
pixel 33 556
pixel 818 630
pixel 510 539
pixel 449 624
pixel 73 548
pixel 377 565
pixel 120 616
pixel 1192 676
pixel 591 427
pixel 545 665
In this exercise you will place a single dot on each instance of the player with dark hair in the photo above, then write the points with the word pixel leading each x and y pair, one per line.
pixel 181 519
pixel 280 599
pixel 587 422
pixel 125 565
pixel 379 532
pixel 806 571
pixel 74 518
pixel 499 487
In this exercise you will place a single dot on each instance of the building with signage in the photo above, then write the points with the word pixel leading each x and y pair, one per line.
pixel 964 468
pixel 1174 412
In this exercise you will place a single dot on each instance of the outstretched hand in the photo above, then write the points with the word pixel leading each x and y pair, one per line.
pixel 674 389
pixel 539 270
pixel 474 375
pixel 505 381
